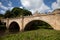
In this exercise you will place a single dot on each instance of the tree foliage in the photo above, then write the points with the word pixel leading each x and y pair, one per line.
pixel 16 12
pixel 8 14
pixel 1 16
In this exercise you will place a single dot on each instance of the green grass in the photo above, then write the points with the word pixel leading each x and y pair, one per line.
pixel 40 34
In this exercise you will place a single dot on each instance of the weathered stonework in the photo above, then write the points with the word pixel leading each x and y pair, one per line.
pixel 53 19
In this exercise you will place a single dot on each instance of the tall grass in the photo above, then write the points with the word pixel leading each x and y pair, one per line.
pixel 40 34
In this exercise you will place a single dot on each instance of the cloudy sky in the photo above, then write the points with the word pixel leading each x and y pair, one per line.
pixel 32 5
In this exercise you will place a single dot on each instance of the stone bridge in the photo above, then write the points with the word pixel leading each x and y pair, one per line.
pixel 52 19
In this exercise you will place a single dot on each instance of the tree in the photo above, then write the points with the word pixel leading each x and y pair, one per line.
pixel 8 14
pixel 15 11
pixel 1 16
pixel 26 12
pixel 18 12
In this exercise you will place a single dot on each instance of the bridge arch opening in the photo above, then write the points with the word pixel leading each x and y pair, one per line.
pixel 3 27
pixel 14 27
pixel 37 24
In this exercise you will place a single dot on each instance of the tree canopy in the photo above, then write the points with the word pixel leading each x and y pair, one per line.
pixel 8 14
pixel 16 12
pixel 1 16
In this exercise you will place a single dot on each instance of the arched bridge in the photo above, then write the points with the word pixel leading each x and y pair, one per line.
pixel 51 19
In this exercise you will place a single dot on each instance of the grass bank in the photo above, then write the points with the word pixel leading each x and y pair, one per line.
pixel 40 34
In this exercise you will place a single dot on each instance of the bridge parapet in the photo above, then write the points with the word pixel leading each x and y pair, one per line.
pixel 57 11
pixel 4 20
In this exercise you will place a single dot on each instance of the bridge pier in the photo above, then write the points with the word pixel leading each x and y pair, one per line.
pixel 7 23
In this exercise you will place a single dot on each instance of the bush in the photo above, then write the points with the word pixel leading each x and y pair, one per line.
pixel 3 28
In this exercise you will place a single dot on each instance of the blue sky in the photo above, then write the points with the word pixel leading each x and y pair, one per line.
pixel 49 2
pixel 29 4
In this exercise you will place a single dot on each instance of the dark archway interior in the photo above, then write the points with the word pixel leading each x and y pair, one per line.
pixel 2 27
pixel 37 24
pixel 14 27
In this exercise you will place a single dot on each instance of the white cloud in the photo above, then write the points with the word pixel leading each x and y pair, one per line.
pixel 0 3
pixel 50 10
pixel 10 8
pixel 33 11
pixel 2 11
pixel 31 4
pixel 35 5
pixel 10 3
pixel 21 7
pixel 44 8
pixel 56 5
pixel 5 8
pixel 58 1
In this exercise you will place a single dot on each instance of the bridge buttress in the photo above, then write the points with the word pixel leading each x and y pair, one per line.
pixel 7 23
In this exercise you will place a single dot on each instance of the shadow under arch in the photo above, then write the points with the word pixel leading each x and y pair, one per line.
pixel 14 27
pixel 3 28
pixel 37 24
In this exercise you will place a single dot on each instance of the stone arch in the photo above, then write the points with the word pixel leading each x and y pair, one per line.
pixel 14 27
pixel 32 23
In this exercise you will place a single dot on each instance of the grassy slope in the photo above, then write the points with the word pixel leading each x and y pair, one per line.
pixel 40 34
